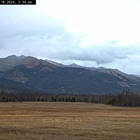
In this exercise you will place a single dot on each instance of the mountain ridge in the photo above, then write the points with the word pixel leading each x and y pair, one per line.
pixel 48 76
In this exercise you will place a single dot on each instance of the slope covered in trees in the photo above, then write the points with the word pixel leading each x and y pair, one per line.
pixel 122 99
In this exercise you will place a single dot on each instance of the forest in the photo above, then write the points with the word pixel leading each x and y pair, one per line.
pixel 125 98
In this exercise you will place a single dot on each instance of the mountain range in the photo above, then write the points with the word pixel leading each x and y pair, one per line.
pixel 29 74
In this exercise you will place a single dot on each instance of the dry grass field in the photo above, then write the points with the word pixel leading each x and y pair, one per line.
pixel 68 121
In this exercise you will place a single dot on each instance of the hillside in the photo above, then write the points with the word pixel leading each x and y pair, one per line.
pixel 31 74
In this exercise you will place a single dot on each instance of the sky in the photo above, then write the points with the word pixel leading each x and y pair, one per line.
pixel 93 33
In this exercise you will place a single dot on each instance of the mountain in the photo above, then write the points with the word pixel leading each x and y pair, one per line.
pixel 73 65
pixel 55 63
pixel 29 74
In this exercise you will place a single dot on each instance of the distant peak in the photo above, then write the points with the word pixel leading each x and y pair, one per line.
pixel 21 56
pixel 74 65
pixel 15 57
pixel 101 68
pixel 12 56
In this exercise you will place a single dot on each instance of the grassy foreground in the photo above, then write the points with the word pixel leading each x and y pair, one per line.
pixel 68 121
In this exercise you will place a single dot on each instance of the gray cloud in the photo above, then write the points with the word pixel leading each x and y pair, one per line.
pixel 35 33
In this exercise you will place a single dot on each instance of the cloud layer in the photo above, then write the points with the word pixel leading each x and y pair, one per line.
pixel 89 33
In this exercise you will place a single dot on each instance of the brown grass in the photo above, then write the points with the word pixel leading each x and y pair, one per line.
pixel 68 121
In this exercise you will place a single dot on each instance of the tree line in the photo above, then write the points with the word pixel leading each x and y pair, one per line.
pixel 125 98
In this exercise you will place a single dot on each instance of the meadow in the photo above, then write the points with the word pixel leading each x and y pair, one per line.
pixel 68 121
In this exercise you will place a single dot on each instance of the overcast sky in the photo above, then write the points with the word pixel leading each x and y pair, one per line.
pixel 92 33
